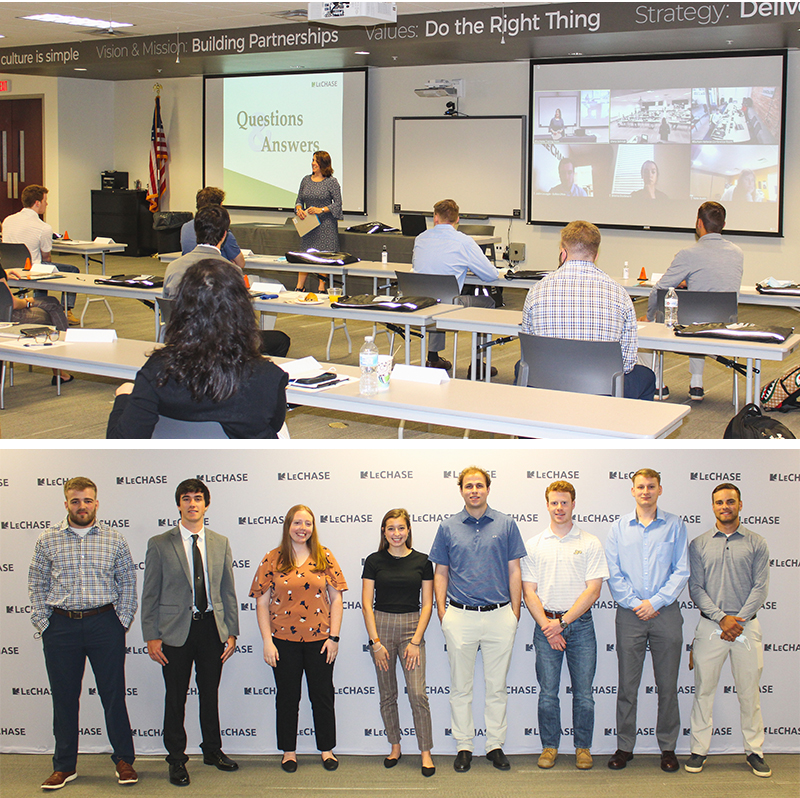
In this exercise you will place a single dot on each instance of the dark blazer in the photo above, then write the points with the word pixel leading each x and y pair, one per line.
pixel 167 596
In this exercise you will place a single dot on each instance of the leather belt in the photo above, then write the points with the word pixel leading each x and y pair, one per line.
pixel 480 608
pixel 77 615
pixel 198 616
pixel 554 615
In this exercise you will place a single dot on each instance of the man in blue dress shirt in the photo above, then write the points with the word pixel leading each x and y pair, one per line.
pixel 477 554
pixel 649 567
pixel 211 195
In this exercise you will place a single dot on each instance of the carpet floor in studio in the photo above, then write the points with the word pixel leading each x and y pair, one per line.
pixel 724 775
pixel 34 411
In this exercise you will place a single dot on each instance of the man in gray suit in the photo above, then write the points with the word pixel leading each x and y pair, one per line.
pixel 190 615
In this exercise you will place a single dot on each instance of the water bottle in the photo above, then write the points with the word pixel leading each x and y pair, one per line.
pixel 671 308
pixel 368 360
pixel 626 273
pixel 384 255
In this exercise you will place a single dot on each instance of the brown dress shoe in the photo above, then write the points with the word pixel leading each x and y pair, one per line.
pixel 126 774
pixel 59 779
pixel 669 762
pixel 619 759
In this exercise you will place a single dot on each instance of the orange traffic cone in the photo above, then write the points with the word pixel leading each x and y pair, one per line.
pixel 65 237
pixel 642 275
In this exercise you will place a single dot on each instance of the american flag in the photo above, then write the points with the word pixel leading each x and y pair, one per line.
pixel 158 159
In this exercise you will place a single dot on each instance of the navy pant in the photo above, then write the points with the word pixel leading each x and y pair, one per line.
pixel 61 267
pixel 67 643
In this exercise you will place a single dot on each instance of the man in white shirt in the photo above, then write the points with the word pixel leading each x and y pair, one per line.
pixel 25 227
pixel 562 576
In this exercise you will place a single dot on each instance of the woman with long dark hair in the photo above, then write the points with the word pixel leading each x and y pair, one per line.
pixel 211 367
pixel 298 588
pixel 397 601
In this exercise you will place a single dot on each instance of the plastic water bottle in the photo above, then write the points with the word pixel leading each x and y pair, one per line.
pixel 368 360
pixel 384 255
pixel 671 308
pixel 626 272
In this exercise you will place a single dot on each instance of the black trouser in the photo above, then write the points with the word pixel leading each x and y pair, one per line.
pixel 275 343
pixel 294 658
pixel 203 648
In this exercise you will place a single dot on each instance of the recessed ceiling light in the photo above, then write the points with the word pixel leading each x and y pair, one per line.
pixel 362 52
pixel 85 22
pixel 79 69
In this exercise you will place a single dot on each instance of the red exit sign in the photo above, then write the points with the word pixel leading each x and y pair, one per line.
pixel 5 85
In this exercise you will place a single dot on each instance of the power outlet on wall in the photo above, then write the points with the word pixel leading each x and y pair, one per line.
pixel 516 252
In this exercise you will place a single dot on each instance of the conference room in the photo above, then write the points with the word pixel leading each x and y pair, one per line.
pixel 111 101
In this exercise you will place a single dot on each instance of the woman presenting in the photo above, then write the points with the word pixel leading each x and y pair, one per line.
pixel 299 589
pixel 395 578
pixel 320 195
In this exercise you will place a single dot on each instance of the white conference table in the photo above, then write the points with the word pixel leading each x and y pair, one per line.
pixel 87 249
pixel 654 336
pixel 494 408
pixel 747 295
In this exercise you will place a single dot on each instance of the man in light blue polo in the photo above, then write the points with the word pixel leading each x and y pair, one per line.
pixel 648 564
pixel 477 554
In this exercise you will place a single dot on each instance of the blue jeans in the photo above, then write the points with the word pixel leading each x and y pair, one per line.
pixel 581 654
pixel 61 267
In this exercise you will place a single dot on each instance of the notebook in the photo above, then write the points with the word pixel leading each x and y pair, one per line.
pixel 305 226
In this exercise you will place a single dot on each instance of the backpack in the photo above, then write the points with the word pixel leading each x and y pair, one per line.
pixel 782 393
pixel 750 423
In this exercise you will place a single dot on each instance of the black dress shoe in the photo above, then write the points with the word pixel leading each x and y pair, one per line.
pixel 619 759
pixel 54 381
pixel 220 761
pixel 463 761
pixel 669 762
pixel 331 763
pixel 499 759
pixel 178 775
pixel 289 765
pixel 428 772
pixel 390 763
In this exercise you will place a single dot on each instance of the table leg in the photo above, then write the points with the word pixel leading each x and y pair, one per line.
pixel 408 344
pixel 488 375
pixel 748 394
pixel 757 398
pixel 473 372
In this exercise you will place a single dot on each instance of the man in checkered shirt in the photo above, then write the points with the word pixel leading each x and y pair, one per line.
pixel 581 302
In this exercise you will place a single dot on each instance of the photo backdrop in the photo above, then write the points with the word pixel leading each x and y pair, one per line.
pixel 350 490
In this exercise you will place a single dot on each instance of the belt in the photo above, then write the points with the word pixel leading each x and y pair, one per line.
pixel 77 615
pixel 481 608
pixel 554 615
pixel 198 616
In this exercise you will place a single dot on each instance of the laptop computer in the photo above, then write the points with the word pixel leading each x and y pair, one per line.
pixel 443 287
pixel 412 224
pixel 15 256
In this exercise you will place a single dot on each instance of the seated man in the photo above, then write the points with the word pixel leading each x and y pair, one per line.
pixel 211 195
pixel 710 264
pixel 443 250
pixel 25 227
pixel 566 173
pixel 581 302
pixel 211 228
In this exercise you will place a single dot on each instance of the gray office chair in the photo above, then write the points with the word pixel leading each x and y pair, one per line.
pixel 6 309
pixel 172 428
pixel 443 287
pixel 14 256
pixel 560 364
pixel 164 312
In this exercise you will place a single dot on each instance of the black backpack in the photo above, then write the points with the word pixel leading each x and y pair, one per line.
pixel 750 423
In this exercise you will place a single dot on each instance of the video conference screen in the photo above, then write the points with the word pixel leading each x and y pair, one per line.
pixel 261 132
pixel 642 143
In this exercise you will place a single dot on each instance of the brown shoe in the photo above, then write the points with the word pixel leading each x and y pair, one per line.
pixel 439 363
pixel 583 759
pixel 73 320
pixel 548 758
pixel 59 779
pixel 669 762
pixel 126 774
pixel 619 759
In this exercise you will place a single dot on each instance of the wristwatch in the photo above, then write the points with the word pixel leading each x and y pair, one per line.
pixel 376 640
pixel 564 624
pixel 334 638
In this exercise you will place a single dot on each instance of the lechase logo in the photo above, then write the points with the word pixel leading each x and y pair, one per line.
pixel 26 524
pixel 760 519
pixel 715 476
pixel 325 84
pixel 303 476
pixel 790 563
pixel 387 474
pixel 553 474
pixel 49 482
pixel 405 732
pixel 170 522
pixel 4 483
pixel 345 518
pixel 781 646
pixel 30 691
pixel 16 609
pixel 621 474
pixel 784 477
pixel 143 479
pixel 259 520
pixel 209 478
pixel 454 474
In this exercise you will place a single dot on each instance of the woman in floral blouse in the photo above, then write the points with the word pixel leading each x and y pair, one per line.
pixel 299 590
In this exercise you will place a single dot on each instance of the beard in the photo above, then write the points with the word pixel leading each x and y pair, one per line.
pixel 81 521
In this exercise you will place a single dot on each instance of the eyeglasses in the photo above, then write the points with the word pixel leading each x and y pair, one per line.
pixel 41 338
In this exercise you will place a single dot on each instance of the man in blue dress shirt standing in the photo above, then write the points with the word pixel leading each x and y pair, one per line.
pixel 477 554
pixel 648 569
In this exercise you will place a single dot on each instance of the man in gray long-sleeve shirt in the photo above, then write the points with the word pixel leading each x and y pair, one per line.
pixel 728 581
pixel 710 264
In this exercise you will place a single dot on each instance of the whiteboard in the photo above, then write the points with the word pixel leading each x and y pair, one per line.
pixel 478 161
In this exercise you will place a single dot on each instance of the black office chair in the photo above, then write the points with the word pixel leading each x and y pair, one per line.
pixel 6 309
pixel 15 256
pixel 561 364
pixel 164 312
pixel 172 428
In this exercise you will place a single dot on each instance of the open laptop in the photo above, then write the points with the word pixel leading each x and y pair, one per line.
pixel 443 287
pixel 412 224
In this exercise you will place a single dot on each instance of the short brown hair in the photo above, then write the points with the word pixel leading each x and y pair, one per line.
pixel 649 473
pixel 324 163
pixel 712 215
pixel 559 486
pixel 726 486
pixel 399 512
pixel 581 238
pixel 446 210
pixel 79 483
pixel 210 195
pixel 475 469
pixel 32 194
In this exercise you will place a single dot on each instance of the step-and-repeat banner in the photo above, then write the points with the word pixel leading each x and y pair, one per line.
pixel 350 490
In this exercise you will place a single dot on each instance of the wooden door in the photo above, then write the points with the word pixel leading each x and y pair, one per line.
pixel 21 150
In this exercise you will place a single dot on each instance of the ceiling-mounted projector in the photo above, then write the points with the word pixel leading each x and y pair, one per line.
pixel 441 88
pixel 345 14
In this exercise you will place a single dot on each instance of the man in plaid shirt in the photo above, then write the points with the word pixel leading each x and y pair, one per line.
pixel 581 302
pixel 82 588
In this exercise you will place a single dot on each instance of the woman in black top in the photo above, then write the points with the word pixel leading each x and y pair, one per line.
pixel 394 578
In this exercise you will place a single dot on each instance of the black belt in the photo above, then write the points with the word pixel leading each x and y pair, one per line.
pixel 77 615
pixel 554 615
pixel 727 613
pixel 198 616
pixel 480 608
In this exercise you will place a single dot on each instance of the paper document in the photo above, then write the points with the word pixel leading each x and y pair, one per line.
pixel 304 226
